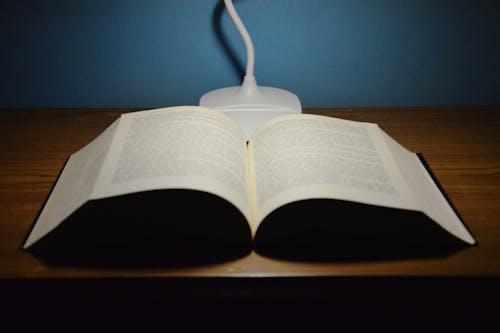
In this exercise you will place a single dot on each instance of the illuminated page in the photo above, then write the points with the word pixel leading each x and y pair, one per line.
pixel 177 148
pixel 302 157
pixel 430 199
pixel 74 186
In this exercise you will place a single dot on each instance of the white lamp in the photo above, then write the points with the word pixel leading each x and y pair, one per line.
pixel 250 105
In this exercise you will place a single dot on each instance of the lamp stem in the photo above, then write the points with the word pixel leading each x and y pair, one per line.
pixel 244 35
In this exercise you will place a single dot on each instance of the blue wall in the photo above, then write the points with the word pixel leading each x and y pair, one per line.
pixel 150 53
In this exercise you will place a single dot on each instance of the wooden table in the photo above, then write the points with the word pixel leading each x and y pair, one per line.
pixel 461 145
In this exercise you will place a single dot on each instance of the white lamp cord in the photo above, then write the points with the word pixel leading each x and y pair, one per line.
pixel 244 34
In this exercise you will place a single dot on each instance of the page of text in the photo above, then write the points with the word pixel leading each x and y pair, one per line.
pixel 307 156
pixel 179 147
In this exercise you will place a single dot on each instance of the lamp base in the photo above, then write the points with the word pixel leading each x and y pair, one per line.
pixel 250 108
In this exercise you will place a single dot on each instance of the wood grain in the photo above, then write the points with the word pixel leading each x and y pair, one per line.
pixel 461 144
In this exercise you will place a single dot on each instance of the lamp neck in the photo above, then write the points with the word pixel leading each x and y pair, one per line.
pixel 244 35
pixel 249 86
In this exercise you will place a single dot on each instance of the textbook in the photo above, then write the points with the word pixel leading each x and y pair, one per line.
pixel 187 176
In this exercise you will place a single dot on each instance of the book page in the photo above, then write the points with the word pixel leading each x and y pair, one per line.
pixel 430 199
pixel 74 185
pixel 310 157
pixel 177 148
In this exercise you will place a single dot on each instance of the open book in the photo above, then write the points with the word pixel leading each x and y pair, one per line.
pixel 188 173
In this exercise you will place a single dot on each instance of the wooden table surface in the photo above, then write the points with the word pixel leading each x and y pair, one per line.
pixel 461 144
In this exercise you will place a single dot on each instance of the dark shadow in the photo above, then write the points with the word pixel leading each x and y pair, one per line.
pixel 333 230
pixel 168 228
pixel 237 65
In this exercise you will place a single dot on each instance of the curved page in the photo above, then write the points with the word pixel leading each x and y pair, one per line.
pixel 312 157
pixel 177 148
pixel 74 186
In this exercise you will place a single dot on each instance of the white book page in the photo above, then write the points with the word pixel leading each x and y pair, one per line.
pixel 74 185
pixel 307 156
pixel 430 199
pixel 177 148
